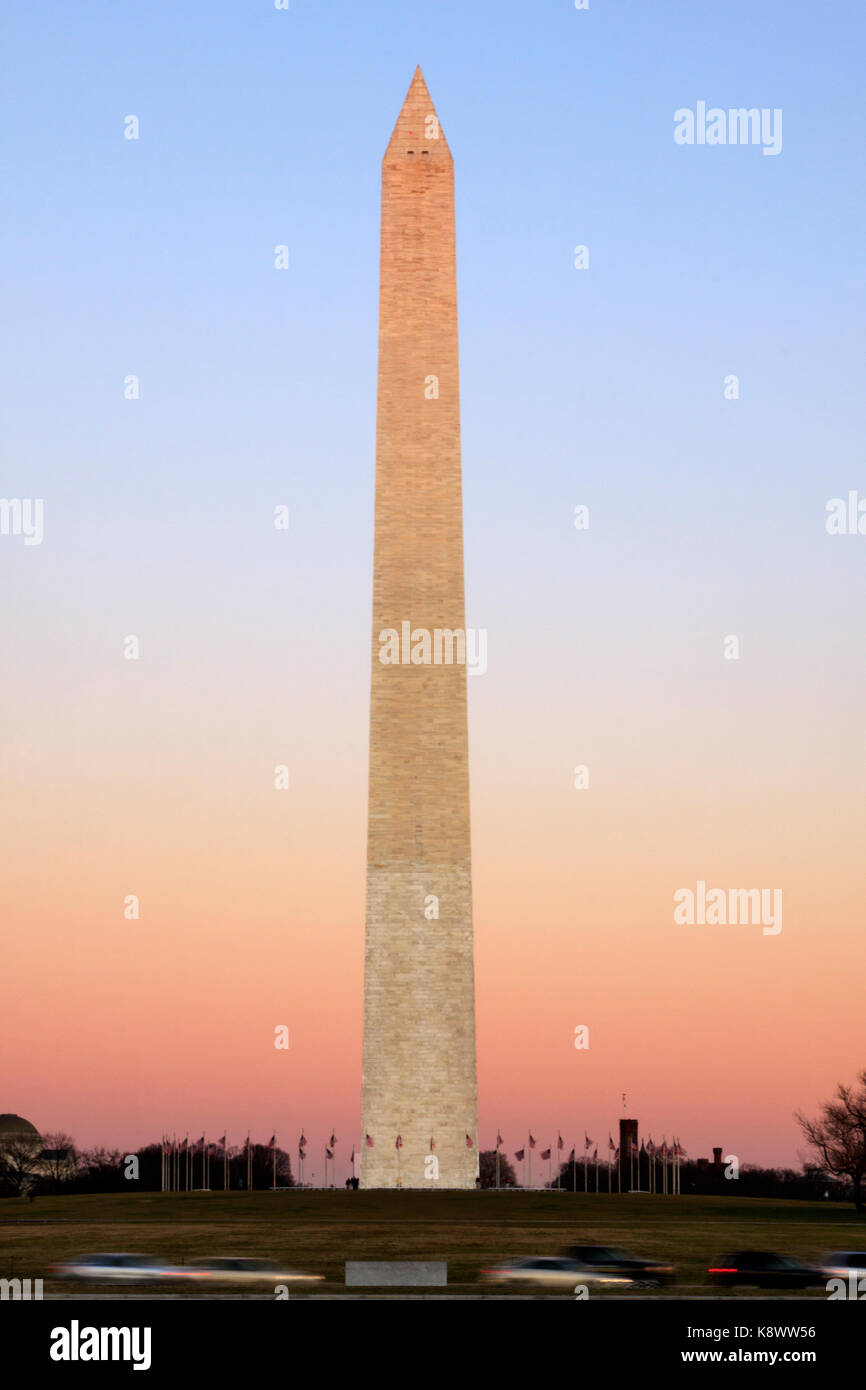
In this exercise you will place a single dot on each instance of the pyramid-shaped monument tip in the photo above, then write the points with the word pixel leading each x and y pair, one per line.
pixel 418 130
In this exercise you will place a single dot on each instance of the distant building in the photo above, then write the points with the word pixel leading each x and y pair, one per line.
pixel 14 1127
pixel 629 1156
pixel 47 1163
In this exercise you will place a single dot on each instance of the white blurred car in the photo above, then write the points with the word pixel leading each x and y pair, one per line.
pixel 553 1271
pixel 113 1269
pixel 232 1269
pixel 842 1263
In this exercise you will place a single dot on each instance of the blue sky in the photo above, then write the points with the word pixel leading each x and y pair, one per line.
pixel 261 127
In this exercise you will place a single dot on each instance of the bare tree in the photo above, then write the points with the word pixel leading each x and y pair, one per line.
pixel 20 1164
pixel 838 1135
pixel 59 1159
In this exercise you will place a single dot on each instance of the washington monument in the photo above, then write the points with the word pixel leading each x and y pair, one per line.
pixel 419 1090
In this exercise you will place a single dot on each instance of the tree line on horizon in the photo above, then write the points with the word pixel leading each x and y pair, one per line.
pixel 52 1164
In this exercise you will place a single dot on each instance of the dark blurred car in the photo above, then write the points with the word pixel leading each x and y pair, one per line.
pixel 112 1269
pixel 763 1268
pixel 552 1271
pixel 645 1273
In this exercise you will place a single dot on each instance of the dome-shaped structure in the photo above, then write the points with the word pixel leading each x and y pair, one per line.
pixel 15 1127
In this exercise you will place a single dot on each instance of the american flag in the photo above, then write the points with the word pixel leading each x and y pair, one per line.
pixel 586 1140
pixel 469 1143
pixel 531 1142
pixel 329 1153
pixel 432 1144
pixel 399 1143
pixel 610 1144
pixel 368 1140
pixel 223 1141
pixel 273 1142
pixel 559 1143
pixel 571 1156
pixel 332 1141
pixel 302 1142
pixel 520 1155
pixel 545 1154
pixel 498 1140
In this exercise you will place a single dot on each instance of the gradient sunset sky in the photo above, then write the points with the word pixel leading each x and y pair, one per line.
pixel 602 387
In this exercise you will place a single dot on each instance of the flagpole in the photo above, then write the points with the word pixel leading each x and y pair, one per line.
pixel 529 1152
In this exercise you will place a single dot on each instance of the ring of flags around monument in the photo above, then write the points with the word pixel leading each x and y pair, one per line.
pixel 180 1159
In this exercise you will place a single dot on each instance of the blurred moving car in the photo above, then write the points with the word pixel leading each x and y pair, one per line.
pixel 763 1268
pixel 233 1269
pixel 551 1270
pixel 842 1264
pixel 644 1273
pixel 112 1269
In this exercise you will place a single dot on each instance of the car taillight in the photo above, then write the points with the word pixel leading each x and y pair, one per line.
pixel 723 1271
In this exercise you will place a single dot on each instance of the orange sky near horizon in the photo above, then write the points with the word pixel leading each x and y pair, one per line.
pixel 252 916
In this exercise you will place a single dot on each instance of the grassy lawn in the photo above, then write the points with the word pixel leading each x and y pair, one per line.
pixel 319 1231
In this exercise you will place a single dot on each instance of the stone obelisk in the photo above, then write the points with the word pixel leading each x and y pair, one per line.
pixel 419 1108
